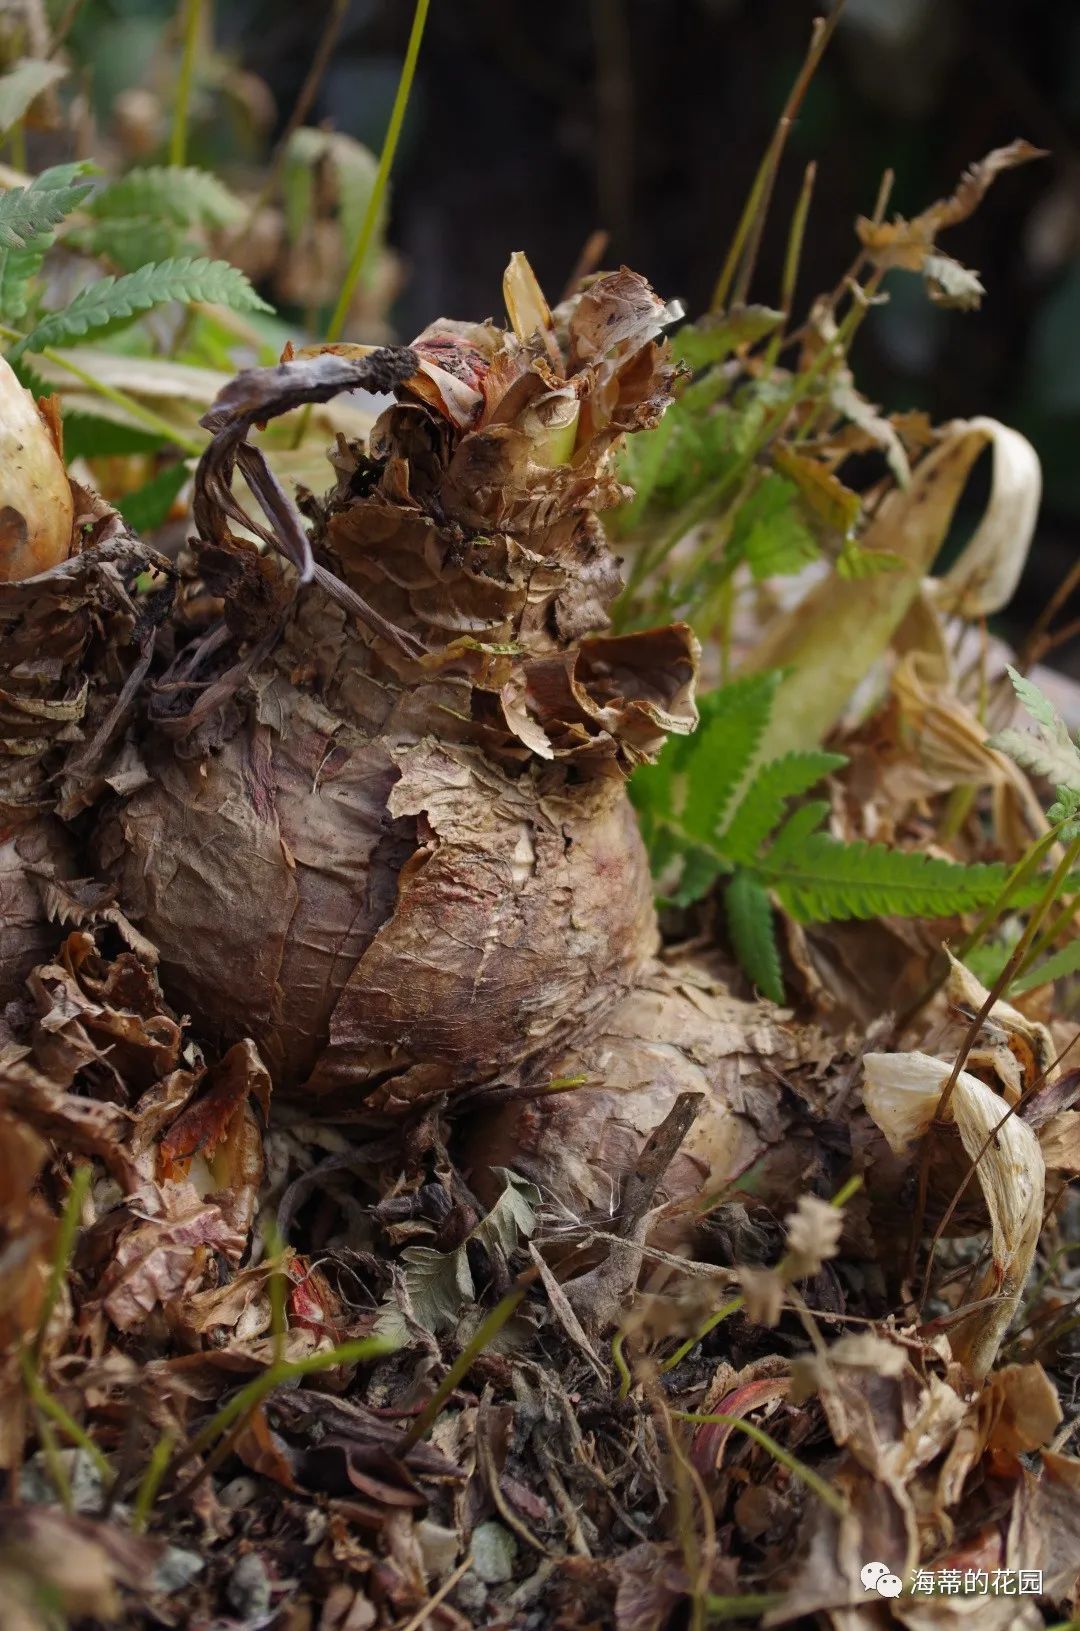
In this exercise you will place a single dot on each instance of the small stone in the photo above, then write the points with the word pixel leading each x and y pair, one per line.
pixel 494 1550
pixel 177 1569
pixel 438 1547
pixel 249 1590
pixel 238 1492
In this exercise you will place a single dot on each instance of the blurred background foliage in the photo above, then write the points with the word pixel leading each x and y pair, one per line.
pixel 532 124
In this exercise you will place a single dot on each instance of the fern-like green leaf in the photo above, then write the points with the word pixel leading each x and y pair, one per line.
pixel 818 879
pixel 27 218
pixel 129 244
pixel 762 805
pixel 1050 750
pixel 753 935
pixel 712 764
pixel 691 786
pixel 770 534
pixel 1063 962
pixel 28 212
pixel 177 193
pixel 111 302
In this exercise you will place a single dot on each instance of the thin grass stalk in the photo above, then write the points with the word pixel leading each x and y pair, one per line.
pixel 43 1400
pixel 733 1305
pixel 78 1190
pixel 720 1609
pixel 742 254
pixel 1047 899
pixel 792 257
pixel 1000 985
pixel 806 1475
pixel 344 1353
pixel 178 137
pixel 382 175
pixel 131 406
pixel 150 1483
pixel 488 1329
pixel 50 1449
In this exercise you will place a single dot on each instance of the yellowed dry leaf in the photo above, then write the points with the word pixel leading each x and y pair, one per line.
pixel 902 1093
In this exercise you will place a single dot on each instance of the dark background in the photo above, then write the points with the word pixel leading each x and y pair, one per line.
pixel 535 121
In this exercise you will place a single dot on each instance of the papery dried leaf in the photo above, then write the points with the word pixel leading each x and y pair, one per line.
pixel 54 1560
pixel 27 1228
pixel 1028 1042
pixel 164 1255
pixel 911 523
pixel 1045 1529
pixel 902 1093
pixel 29 861
pixel 910 243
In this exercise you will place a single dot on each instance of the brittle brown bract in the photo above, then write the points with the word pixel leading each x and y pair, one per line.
pixel 75 642
pixel 389 838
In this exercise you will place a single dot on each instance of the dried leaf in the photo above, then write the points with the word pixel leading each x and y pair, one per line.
pixel 910 244
pixel 902 1093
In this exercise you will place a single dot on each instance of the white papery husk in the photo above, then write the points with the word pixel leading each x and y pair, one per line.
pixel 902 1093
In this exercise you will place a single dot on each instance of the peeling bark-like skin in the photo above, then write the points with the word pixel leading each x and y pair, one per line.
pixel 39 851
pixel 380 821
pixel 676 1032
pixel 75 642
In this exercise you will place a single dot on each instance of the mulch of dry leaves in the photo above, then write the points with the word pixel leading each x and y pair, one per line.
pixel 822 1424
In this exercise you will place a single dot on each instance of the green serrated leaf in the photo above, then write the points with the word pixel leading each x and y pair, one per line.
pixel 753 933
pixel 113 301
pixel 770 534
pixel 22 85
pixel 1051 756
pixel 1036 702
pixel 1050 751
pixel 1062 963
pixel 715 760
pixel 147 507
pixel 28 212
pixel 762 805
pixel 712 339
pixel 819 879
pixel 512 1218
pixel 129 244
pixel 179 193
pixel 27 218
pixel 440 1284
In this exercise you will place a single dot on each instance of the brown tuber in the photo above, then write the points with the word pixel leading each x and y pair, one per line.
pixel 383 825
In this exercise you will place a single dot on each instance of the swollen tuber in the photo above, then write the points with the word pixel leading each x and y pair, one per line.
pixel 382 825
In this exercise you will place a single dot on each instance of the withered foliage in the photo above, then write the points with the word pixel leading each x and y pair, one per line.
pixel 392 1232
